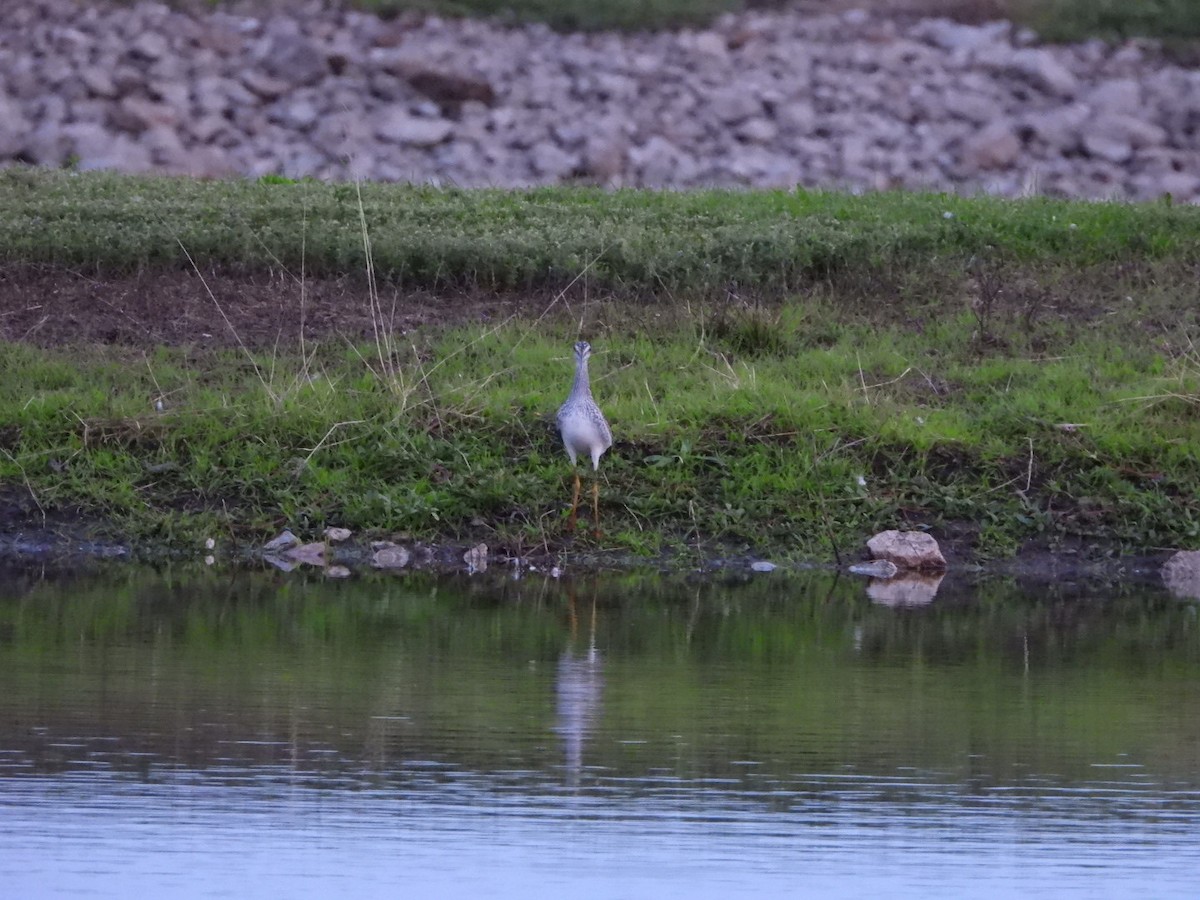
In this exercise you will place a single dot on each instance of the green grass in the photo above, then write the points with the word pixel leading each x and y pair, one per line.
pixel 1076 20
pixel 1056 20
pixel 784 373
pixel 634 242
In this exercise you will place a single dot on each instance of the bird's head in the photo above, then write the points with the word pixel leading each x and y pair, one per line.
pixel 582 351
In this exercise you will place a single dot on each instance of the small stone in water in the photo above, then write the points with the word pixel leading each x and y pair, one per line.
pixel 876 568
pixel 762 565
pixel 476 558
pixel 283 541
pixel 390 556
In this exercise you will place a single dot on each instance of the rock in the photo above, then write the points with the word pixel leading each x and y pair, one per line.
pixel 312 554
pixel 285 540
pixel 207 128
pixel 149 46
pixel 397 126
pixel 97 149
pixel 14 128
pixel 297 113
pixel 876 568
pixel 549 160
pixel 910 589
pixel 1107 147
pixel 295 59
pixel 732 105
pixel 259 83
pixel 757 130
pixel 336 535
pixel 908 550
pixel 604 156
pixel 98 80
pixel 659 162
pixel 761 565
pixel 1133 130
pixel 995 146
pixel 1043 70
pixel 1181 574
pixel 136 114
pixel 389 556
pixel 166 148
pixel 767 97
pixel 337 572
pixel 796 117
pixel 476 558
pixel 952 36
pixel 449 90
pixel 711 44
pixel 1182 186
pixel 1116 95
pixel 1059 128
pixel 974 107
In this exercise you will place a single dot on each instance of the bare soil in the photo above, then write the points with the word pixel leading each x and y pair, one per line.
pixel 55 307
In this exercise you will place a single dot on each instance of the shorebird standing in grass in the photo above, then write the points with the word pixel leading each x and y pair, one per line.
pixel 584 430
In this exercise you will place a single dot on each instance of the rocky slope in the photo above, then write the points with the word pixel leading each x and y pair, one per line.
pixel 762 99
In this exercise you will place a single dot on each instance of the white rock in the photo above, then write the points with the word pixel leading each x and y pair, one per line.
pixel 1059 127
pixel 908 550
pixel 1182 186
pixel 876 568
pixel 1116 95
pixel 98 80
pixel 389 556
pixel 285 540
pixel 1181 574
pixel 1042 69
pixel 295 59
pixel 953 36
pixel 757 130
pixel 136 114
pixel 711 44
pixel 972 106
pixel 1134 130
pixel 910 589
pixel 476 558
pixel 14 128
pixel 149 45
pixel 1111 148
pixel 398 126
pixel 731 105
pixel 550 160
pixel 995 146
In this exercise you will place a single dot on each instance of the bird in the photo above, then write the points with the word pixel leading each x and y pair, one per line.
pixel 584 430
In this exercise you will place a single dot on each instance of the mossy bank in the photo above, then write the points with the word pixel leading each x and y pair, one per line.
pixel 785 373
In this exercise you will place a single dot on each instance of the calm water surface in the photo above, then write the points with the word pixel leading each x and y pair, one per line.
pixel 204 735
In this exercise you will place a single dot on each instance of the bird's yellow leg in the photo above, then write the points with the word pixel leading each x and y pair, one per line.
pixel 596 508
pixel 574 504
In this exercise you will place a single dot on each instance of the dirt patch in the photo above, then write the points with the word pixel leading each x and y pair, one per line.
pixel 53 307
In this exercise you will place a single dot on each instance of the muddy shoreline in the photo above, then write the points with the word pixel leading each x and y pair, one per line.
pixel 71 541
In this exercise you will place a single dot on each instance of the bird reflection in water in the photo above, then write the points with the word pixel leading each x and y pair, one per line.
pixel 579 687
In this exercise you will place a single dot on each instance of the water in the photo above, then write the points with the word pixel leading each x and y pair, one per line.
pixel 227 735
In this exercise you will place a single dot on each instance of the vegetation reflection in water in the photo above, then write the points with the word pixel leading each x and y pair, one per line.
pixel 609 678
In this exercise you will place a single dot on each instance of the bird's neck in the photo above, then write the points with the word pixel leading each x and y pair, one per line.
pixel 581 385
